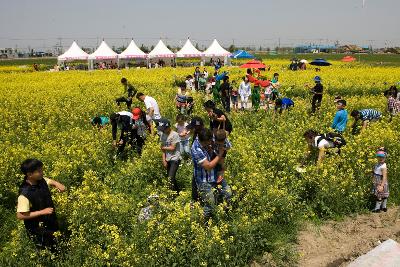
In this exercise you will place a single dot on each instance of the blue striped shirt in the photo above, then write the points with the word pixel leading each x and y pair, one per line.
pixel 199 155
pixel 369 114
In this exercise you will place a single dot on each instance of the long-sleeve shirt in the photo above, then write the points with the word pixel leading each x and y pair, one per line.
pixel 340 121
pixel 245 89
pixel 393 105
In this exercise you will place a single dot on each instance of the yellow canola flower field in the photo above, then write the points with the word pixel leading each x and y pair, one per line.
pixel 47 115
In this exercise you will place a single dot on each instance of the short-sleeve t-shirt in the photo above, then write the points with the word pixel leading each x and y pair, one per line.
pixel 369 114
pixel 150 102
pixel 171 139
pixel 323 143
pixel 214 124
pixel 23 204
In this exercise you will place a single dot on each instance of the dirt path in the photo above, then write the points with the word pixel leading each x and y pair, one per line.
pixel 337 243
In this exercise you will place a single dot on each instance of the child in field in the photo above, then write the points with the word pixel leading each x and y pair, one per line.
pixel 282 104
pixel 393 105
pixel 221 140
pixel 255 96
pixel 380 181
pixel 366 116
pixel 180 126
pixel 340 121
pixel 100 121
pixel 317 91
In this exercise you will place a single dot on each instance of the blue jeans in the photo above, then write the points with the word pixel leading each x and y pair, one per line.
pixel 210 194
pixel 185 147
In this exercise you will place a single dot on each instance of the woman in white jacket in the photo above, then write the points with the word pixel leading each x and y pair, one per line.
pixel 244 92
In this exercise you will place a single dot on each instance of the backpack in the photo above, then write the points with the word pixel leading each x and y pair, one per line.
pixel 337 139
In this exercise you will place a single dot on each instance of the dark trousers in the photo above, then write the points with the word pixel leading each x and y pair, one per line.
pixel 172 168
pixel 315 103
pixel 195 192
pixel 226 102
pixel 127 100
pixel 43 236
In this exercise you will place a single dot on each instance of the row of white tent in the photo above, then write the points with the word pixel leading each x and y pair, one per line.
pixel 104 52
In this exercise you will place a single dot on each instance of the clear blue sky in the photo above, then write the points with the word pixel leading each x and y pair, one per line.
pixel 256 22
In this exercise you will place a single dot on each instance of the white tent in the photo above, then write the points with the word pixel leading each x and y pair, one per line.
pixel 188 50
pixel 73 53
pixel 132 51
pixel 103 52
pixel 161 51
pixel 216 50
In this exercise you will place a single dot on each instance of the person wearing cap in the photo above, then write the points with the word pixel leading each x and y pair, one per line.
pixel 152 109
pixel 380 181
pixel 218 119
pixel 123 121
pixel 205 173
pixel 140 127
pixel 170 146
pixel 194 128
pixel 128 88
pixel 366 116
pixel 317 91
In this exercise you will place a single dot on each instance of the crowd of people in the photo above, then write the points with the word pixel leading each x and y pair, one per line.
pixel 190 141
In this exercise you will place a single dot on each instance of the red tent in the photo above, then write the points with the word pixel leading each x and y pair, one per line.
pixel 348 59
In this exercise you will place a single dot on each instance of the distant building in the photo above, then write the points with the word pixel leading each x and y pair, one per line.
pixel 315 49
pixel 7 53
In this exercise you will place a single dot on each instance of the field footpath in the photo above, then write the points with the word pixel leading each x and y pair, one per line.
pixel 337 243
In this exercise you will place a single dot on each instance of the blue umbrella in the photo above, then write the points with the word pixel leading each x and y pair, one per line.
pixel 320 62
pixel 241 54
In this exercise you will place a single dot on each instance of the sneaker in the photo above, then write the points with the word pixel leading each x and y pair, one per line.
pixel 384 209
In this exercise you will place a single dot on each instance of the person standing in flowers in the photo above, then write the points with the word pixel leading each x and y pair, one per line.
pixel 366 116
pixel 255 96
pixel 181 128
pixel 35 204
pixel 393 105
pixel 152 109
pixel 317 91
pixel 380 181
pixel 244 92
pixel 128 88
pixel 205 173
pixel 225 90
pixel 170 147
pixel 218 119
pixel 340 120
pixel 140 128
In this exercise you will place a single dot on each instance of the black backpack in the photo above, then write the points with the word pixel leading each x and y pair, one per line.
pixel 335 138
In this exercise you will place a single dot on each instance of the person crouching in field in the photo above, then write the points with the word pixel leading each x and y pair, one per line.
pixel 366 116
pixel 322 142
pixel 35 204
pixel 170 146
pixel 282 104
pixel 122 120
pixel 100 121
pixel 340 120
pixel 128 88
pixel 380 181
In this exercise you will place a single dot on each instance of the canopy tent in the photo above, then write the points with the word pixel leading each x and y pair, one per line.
pixel 253 64
pixel 74 52
pixel 132 51
pixel 188 50
pixel 216 50
pixel 241 54
pixel 103 52
pixel 161 51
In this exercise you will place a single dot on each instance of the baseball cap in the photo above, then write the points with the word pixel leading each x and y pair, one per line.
pixel 136 112
pixel 317 79
pixel 163 124
pixel 196 121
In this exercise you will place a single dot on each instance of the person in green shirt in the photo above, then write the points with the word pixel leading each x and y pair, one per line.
pixel 255 96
